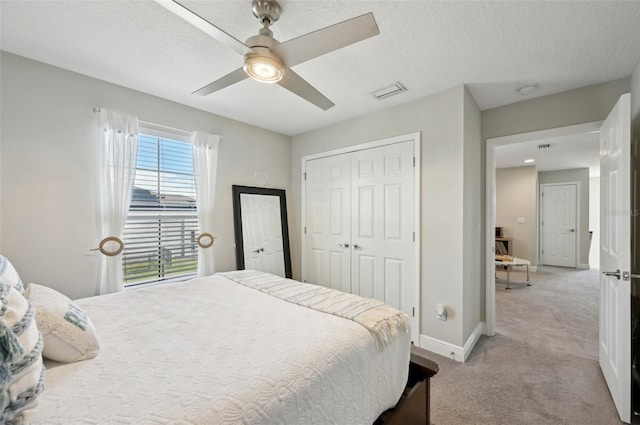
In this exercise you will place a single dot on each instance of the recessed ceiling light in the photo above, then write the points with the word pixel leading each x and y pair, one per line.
pixel 528 161
pixel 526 90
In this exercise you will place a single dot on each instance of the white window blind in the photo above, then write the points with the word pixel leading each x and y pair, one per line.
pixel 162 224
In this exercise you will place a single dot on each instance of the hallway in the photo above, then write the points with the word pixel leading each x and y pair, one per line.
pixel 541 367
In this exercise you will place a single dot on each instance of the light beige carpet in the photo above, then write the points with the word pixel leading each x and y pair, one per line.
pixel 540 368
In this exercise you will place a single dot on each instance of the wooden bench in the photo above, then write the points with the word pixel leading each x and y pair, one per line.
pixel 414 405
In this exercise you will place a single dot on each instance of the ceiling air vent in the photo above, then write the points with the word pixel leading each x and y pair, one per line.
pixel 543 147
pixel 391 90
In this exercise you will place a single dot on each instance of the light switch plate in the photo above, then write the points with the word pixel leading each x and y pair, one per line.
pixel 520 220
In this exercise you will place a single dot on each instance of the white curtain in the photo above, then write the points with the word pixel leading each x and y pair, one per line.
pixel 118 151
pixel 205 166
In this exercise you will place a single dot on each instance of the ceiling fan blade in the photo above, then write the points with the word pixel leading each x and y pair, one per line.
pixel 297 85
pixel 229 79
pixel 204 25
pixel 325 40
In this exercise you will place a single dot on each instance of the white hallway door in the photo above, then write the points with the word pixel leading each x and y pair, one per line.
pixel 360 223
pixel 558 223
pixel 615 255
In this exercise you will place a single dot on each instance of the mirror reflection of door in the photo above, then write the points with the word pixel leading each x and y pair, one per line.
pixel 261 230
pixel 262 233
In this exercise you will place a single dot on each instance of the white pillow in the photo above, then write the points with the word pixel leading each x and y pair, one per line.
pixel 21 370
pixel 69 335
pixel 9 275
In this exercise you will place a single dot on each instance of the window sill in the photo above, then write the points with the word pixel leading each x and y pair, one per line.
pixel 135 286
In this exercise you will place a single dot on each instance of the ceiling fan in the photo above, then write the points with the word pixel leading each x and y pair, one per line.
pixel 269 61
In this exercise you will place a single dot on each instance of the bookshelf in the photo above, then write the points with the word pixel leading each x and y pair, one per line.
pixel 504 246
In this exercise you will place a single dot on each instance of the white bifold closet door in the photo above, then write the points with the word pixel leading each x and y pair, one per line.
pixel 359 224
pixel 328 222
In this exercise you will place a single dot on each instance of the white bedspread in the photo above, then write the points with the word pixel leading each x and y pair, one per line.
pixel 211 351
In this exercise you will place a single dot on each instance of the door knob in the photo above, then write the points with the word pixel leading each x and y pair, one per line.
pixel 572 230
pixel 258 251
pixel 356 246
pixel 616 273
pixel 343 245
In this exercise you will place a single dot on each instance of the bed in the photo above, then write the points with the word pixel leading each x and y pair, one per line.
pixel 215 351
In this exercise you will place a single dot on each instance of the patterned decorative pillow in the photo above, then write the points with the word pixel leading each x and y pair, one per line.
pixel 69 335
pixel 9 275
pixel 21 370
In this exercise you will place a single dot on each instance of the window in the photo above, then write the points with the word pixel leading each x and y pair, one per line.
pixel 162 224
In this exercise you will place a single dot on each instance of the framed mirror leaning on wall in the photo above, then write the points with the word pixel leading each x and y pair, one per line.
pixel 261 230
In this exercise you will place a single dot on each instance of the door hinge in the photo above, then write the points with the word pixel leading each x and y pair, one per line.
pixel 413 311
pixel 542 252
pixel 414 236
pixel 305 230
pixel 305 175
pixel 414 162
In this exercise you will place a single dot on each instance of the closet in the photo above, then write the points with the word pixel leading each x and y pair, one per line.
pixel 360 222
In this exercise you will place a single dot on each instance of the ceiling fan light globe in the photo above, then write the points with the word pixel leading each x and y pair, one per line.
pixel 263 68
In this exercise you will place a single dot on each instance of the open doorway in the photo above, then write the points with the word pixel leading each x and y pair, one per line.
pixel 522 227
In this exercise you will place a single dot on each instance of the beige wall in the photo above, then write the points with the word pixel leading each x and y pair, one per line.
pixel 516 196
pixel 48 213
pixel 580 175
pixel 473 270
pixel 440 120
pixel 587 104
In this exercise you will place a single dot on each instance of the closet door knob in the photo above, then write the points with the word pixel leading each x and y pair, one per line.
pixel 343 245
pixel 356 246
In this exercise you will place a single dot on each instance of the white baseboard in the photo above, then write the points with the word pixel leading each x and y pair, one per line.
pixel 452 351
pixel 583 266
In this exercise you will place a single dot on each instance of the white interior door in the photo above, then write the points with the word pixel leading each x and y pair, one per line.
pixel 615 255
pixel 328 225
pixel 382 225
pixel 558 223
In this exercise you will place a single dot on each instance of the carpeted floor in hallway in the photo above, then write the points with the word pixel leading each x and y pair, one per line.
pixel 540 368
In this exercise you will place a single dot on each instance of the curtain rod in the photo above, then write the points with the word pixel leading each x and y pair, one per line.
pixel 164 127
pixel 154 125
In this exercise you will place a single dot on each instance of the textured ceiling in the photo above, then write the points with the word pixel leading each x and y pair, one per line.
pixel 493 47
pixel 565 152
